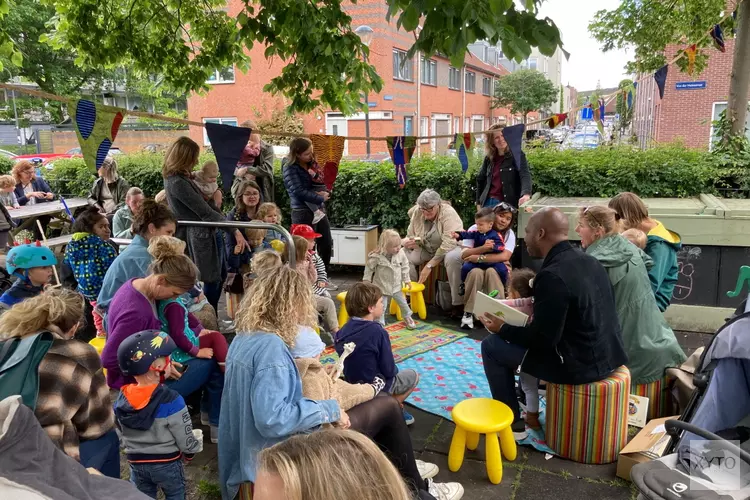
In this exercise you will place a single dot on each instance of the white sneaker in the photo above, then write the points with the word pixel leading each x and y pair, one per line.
pixel 445 491
pixel 426 469
pixel 467 321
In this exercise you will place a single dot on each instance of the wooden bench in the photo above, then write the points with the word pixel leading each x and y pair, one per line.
pixel 59 241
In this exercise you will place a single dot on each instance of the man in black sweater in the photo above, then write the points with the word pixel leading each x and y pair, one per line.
pixel 575 335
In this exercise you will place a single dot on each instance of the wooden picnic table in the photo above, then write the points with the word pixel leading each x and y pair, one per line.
pixel 50 207
pixel 59 241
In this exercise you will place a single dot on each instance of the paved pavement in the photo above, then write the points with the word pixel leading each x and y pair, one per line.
pixel 530 476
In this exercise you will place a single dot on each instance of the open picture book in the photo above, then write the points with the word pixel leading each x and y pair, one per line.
pixel 486 304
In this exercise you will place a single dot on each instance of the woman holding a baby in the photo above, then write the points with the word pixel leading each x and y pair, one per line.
pixel 264 396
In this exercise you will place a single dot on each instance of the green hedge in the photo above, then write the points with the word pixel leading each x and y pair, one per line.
pixel 369 191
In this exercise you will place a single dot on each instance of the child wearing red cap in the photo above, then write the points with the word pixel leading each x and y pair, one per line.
pixel 323 299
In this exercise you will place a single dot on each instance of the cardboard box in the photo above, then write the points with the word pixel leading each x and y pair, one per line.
pixel 649 444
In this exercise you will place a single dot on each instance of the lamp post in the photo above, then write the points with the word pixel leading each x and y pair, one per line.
pixel 365 34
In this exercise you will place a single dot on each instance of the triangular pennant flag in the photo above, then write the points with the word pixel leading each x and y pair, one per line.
pixel 464 149
pixel 328 152
pixel 599 117
pixel 601 109
pixel 566 54
pixel 718 35
pixel 96 129
pixel 557 119
pixel 514 137
pixel 629 98
pixel 228 143
pixel 661 79
pixel 401 149
pixel 691 51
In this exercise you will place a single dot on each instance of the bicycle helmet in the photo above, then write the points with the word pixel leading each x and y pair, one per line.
pixel 28 256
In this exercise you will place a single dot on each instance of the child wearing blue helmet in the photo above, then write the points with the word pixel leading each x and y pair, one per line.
pixel 31 264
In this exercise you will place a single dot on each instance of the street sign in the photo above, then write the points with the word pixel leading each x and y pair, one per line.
pixel 587 114
pixel 690 85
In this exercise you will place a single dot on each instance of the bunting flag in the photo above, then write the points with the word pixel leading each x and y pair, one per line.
pixel 661 79
pixel 599 118
pixel 96 129
pixel 464 149
pixel 601 109
pixel 228 143
pixel 691 51
pixel 557 119
pixel 629 98
pixel 401 149
pixel 566 54
pixel 328 152
pixel 718 35
pixel 514 138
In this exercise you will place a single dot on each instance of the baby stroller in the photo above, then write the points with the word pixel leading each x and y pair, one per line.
pixel 703 459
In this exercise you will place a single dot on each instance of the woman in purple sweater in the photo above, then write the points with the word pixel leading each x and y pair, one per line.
pixel 134 309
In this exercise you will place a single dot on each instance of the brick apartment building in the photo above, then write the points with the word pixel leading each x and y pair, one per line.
pixel 419 97
pixel 689 105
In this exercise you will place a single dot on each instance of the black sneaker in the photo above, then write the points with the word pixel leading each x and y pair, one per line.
pixel 462 289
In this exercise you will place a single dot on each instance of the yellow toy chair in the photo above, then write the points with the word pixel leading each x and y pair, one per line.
pixel 98 344
pixel 416 295
pixel 482 416
pixel 343 315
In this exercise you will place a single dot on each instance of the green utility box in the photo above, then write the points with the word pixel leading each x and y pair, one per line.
pixel 715 235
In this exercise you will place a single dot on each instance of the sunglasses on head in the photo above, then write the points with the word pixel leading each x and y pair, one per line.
pixel 598 223
pixel 504 207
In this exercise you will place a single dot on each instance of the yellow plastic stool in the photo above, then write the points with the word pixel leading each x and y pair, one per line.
pixel 482 416
pixel 343 315
pixel 98 344
pixel 417 302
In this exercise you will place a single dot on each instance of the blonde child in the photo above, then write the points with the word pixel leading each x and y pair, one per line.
pixel 388 268
pixel 521 297
pixel 307 268
pixel 270 213
pixel 320 287
pixel 89 256
pixel 636 237
pixel 246 161
pixel 207 181
pixel 7 194
pixel 300 463
pixel 318 382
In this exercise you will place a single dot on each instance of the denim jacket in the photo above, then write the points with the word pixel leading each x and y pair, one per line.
pixel 262 405
pixel 132 263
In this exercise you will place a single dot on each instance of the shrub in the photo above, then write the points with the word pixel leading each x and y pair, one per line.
pixel 369 191
pixel 6 164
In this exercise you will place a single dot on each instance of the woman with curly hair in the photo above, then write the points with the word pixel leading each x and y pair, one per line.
pixel 262 403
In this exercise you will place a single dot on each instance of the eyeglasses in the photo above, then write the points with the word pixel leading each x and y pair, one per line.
pixel 427 209
pixel 598 223
pixel 504 207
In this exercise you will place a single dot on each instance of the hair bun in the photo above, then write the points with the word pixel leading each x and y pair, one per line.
pixel 164 247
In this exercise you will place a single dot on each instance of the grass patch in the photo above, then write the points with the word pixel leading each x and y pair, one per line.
pixel 209 490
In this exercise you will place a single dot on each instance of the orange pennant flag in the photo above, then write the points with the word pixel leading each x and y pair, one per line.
pixel 691 51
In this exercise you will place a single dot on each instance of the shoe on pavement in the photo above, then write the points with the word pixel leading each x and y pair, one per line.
pixel 426 469
pixel 410 324
pixel 214 434
pixel 204 418
pixel 467 321
pixel 408 417
pixel 445 491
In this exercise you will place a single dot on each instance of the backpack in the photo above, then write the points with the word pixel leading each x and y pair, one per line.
pixel 19 366
pixel 443 295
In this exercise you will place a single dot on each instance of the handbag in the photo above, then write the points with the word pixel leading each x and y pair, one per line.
pixel 234 284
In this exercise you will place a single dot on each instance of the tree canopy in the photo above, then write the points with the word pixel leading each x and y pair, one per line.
pixel 524 91
pixel 187 41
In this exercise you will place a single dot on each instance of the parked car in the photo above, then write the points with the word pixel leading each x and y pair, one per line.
pixel 582 141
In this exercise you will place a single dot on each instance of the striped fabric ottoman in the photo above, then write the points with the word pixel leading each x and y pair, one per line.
pixel 659 397
pixel 588 423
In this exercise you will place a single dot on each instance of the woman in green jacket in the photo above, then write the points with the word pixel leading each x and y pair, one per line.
pixel 649 342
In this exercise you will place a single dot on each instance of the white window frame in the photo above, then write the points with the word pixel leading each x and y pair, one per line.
pixel 411 124
pixel 536 63
pixel 429 72
pixel 220 120
pixel 451 73
pixel 218 80
pixel 400 69
pixel 470 75
pixel 424 128
pixel 488 81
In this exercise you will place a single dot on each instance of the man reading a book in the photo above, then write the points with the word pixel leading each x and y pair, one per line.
pixel 574 337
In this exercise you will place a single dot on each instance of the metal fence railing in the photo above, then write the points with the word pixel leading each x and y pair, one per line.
pixel 249 225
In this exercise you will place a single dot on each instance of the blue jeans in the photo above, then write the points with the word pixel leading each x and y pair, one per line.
pixel 102 453
pixel 490 202
pixel 202 374
pixel 501 360
pixel 170 477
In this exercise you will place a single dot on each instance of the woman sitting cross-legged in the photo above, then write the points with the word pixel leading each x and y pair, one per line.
pixel 263 401
pixel 138 306
pixel 73 405
pixel 649 342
